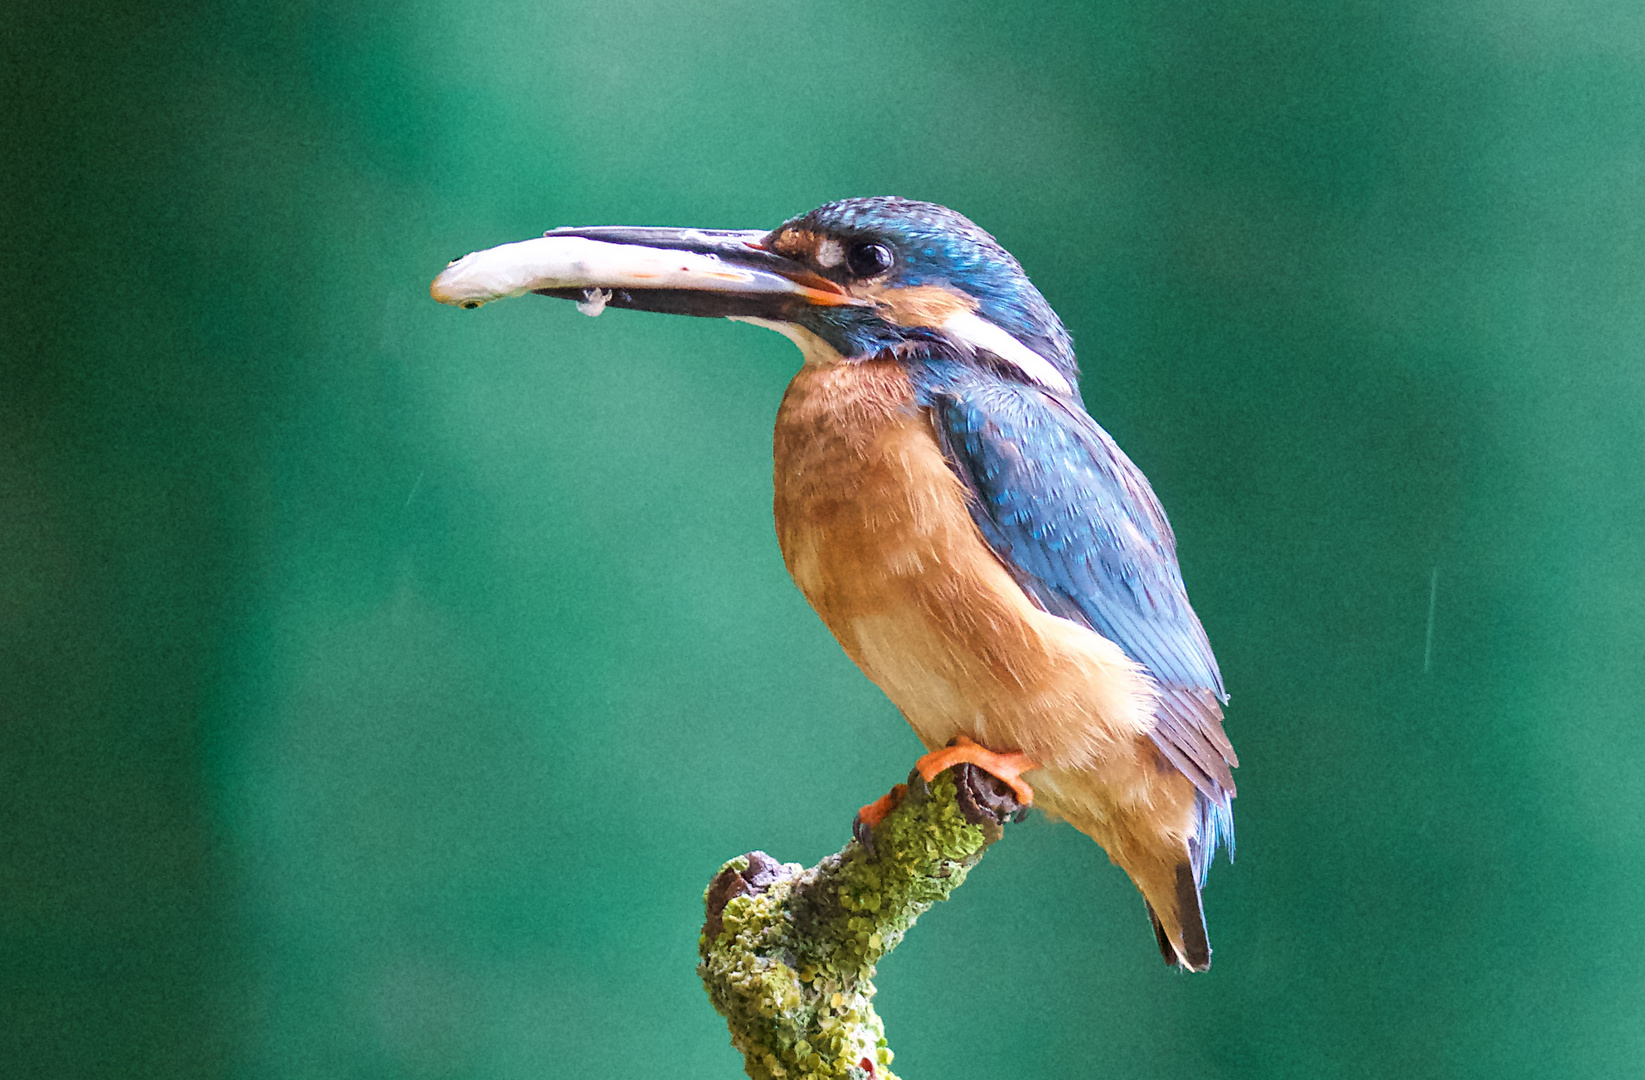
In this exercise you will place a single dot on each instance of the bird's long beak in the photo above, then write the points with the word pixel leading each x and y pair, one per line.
pixel 705 272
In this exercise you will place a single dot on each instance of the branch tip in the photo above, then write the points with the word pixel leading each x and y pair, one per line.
pixel 788 953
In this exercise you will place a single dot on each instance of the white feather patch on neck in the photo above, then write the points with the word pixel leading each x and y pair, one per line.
pixel 813 348
pixel 972 332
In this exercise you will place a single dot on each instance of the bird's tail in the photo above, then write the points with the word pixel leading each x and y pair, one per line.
pixel 1172 891
pixel 1184 944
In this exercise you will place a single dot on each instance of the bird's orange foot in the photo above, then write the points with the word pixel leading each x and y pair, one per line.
pixel 1007 767
pixel 874 813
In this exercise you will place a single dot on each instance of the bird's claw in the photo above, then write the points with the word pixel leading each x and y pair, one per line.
pixel 862 827
pixel 1007 768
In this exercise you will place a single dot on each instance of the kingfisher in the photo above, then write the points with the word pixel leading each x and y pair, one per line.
pixel 975 541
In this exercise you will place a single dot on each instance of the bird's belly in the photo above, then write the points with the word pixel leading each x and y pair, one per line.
pixel 875 530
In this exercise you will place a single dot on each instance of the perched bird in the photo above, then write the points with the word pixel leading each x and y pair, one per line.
pixel 975 541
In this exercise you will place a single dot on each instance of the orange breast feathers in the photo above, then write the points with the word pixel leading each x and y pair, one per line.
pixel 875 530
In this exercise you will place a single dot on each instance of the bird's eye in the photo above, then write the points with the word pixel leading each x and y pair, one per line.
pixel 866 260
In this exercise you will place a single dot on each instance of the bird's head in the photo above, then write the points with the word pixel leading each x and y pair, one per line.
pixel 854 278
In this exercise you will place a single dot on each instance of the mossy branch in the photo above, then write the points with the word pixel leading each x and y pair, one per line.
pixel 788 953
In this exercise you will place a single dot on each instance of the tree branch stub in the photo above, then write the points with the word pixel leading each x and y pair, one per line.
pixel 788 953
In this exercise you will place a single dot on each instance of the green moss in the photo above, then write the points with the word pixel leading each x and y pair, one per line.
pixel 791 966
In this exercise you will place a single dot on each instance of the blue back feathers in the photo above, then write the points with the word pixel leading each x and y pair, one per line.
pixel 1080 529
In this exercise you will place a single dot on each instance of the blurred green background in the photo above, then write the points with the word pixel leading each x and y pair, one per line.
pixel 380 684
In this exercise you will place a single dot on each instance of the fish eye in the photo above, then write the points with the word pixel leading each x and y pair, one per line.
pixel 867 259
pixel 470 305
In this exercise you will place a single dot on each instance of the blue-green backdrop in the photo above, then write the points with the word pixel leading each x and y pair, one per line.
pixel 380 683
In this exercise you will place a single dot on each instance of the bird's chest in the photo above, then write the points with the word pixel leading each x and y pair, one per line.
pixel 872 522
pixel 875 528
pixel 861 487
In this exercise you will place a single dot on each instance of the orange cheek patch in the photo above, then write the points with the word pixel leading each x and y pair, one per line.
pixel 922 305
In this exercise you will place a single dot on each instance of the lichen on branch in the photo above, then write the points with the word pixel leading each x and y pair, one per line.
pixel 788 953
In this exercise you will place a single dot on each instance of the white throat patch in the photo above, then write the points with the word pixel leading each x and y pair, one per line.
pixel 813 348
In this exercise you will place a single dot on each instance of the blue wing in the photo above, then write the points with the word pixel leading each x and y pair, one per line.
pixel 1081 531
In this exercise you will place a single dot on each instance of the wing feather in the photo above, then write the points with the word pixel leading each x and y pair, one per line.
pixel 1080 529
